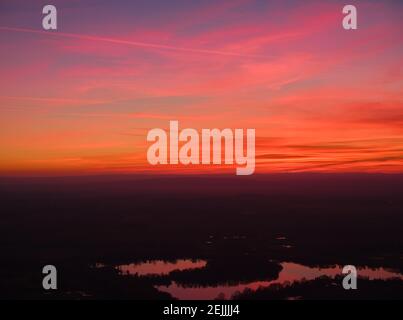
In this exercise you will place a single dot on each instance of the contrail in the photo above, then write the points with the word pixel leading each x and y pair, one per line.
pixel 126 42
pixel 39 99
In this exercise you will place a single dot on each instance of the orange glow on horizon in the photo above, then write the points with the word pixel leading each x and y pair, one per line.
pixel 320 98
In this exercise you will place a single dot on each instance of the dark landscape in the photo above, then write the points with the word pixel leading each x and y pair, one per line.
pixel 278 236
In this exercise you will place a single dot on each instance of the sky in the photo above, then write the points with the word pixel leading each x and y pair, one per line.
pixel 81 99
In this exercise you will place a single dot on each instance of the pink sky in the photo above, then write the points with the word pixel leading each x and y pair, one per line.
pixel 81 99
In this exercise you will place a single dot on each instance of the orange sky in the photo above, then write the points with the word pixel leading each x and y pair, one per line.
pixel 82 99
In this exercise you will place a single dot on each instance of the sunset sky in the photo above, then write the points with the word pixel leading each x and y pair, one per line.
pixel 81 99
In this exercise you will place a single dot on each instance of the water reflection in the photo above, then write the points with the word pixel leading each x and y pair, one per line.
pixel 291 272
pixel 160 267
